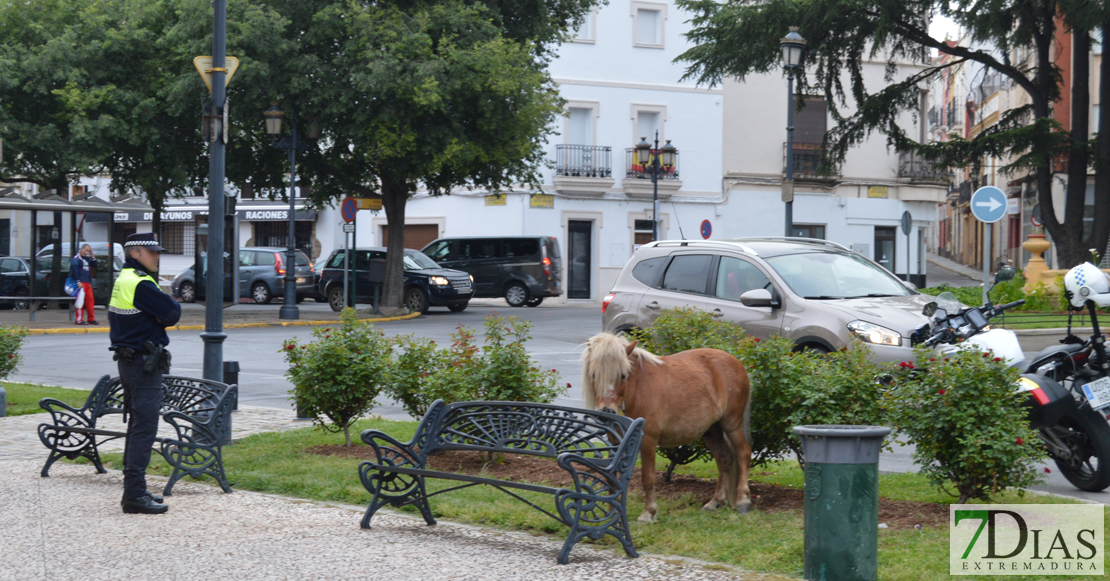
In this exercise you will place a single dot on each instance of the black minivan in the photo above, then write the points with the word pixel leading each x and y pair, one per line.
pixel 523 269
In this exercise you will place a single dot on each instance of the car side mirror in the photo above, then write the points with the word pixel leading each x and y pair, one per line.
pixel 909 285
pixel 759 297
pixel 1004 274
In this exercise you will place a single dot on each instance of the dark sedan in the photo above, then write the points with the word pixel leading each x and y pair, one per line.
pixel 426 283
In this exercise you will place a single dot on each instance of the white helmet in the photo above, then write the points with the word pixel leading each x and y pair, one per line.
pixel 1087 283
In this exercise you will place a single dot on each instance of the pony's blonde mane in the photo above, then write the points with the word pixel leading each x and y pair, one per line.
pixel 604 364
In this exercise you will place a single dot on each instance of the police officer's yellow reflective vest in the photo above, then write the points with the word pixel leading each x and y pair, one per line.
pixel 123 294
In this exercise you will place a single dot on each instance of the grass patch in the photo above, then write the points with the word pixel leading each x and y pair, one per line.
pixel 23 398
pixel 764 542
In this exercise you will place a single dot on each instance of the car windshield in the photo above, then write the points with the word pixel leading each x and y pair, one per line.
pixel 829 275
pixel 418 261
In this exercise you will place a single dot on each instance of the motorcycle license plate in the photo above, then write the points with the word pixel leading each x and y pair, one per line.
pixel 1098 393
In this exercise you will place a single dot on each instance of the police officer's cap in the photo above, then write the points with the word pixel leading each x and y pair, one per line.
pixel 148 240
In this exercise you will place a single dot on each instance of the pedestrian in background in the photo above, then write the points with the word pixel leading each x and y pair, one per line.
pixel 138 316
pixel 79 271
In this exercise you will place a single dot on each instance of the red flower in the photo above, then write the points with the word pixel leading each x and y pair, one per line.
pixel 327 336
pixel 568 385
pixel 1019 441
pixel 902 364
pixel 553 371
pixel 986 355
pixel 288 347
pixel 358 353
pixel 998 359
pixel 932 359
pixel 10 356
pixel 1047 470
pixel 757 340
pixel 941 392
pixel 946 359
pixel 909 364
pixel 328 329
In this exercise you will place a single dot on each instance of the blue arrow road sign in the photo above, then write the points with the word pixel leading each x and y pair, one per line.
pixel 988 204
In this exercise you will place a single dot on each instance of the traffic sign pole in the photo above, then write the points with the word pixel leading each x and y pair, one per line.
pixel 988 205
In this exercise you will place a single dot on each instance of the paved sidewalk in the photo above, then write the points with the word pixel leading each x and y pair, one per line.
pixel 951 272
pixel 19 439
pixel 70 526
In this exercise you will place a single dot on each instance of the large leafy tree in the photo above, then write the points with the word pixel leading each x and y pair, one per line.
pixel 738 38
pixel 439 95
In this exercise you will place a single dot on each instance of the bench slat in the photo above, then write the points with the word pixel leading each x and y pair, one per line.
pixel 467 478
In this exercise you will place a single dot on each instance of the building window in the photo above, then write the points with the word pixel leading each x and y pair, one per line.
pixel 646 120
pixel 647 24
pixel 585 32
pixel 810 231
pixel 641 233
pixel 178 238
pixel 580 126
pixel 276 234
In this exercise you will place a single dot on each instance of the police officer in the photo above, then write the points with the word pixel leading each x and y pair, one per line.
pixel 138 314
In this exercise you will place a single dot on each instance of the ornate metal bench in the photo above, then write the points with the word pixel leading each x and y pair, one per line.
pixel 597 449
pixel 198 410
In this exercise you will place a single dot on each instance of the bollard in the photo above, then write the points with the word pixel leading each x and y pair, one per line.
pixel 231 377
pixel 841 501
pixel 3 402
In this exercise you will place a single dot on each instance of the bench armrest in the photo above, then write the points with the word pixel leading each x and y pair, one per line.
pixel 52 405
pixel 392 452
pixel 189 429
pixel 615 472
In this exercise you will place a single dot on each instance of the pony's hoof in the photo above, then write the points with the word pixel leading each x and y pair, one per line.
pixel 744 508
pixel 647 517
pixel 711 505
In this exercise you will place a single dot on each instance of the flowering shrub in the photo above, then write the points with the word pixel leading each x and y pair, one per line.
pixel 968 424
pixel 338 375
pixel 11 341
pixel 500 370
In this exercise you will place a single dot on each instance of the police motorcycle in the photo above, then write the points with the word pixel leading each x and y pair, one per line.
pixel 1067 386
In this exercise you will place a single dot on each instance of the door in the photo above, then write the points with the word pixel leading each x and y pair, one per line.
pixel 579 252
pixel 885 247
pixel 417 236
pixel 732 278
pixel 683 284
pixel 246 260
pixel 479 259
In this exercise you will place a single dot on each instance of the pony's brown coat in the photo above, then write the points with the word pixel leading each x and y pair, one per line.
pixel 682 397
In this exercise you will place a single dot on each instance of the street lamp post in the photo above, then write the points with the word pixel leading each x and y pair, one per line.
pixel 644 155
pixel 793 46
pixel 273 115
pixel 213 335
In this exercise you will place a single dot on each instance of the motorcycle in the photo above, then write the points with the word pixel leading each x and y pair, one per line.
pixel 1066 385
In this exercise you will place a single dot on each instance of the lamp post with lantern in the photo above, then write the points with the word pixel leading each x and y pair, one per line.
pixel 292 143
pixel 793 48
pixel 656 159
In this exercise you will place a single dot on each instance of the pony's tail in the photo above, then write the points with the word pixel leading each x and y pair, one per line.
pixel 747 425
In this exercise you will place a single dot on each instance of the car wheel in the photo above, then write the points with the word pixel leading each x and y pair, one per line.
pixel 336 300
pixel 813 348
pixel 534 301
pixel 261 293
pixel 188 292
pixel 416 300
pixel 458 307
pixel 516 294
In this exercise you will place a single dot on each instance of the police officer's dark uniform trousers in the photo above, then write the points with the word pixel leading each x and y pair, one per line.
pixel 138 314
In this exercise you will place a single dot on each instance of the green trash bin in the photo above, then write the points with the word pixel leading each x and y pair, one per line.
pixel 841 501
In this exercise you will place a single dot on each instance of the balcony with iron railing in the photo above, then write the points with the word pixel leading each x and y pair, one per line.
pixel 584 161
pixel 915 167
pixel 637 176
pixel 810 163
pixel 583 170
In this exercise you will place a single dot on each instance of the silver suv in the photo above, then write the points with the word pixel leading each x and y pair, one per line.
pixel 817 293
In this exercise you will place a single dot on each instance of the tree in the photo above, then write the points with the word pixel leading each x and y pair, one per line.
pixel 431 95
pixel 740 38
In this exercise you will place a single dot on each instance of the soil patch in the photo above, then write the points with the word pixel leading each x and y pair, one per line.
pixel 688 490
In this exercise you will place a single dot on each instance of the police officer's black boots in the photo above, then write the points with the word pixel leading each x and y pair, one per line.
pixel 145 504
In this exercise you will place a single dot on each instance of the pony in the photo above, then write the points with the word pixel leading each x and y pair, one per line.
pixel 700 393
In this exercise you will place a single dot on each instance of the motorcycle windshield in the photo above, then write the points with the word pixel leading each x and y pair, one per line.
pixel 947 302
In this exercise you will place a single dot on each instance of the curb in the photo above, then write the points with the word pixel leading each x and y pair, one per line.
pixel 105 329
pixel 1052 331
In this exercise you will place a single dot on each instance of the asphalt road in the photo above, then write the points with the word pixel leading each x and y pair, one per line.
pixel 79 360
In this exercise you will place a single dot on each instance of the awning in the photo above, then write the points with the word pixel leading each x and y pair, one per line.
pixel 250 213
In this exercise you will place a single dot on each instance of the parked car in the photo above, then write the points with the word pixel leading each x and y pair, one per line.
pixel 523 269
pixel 426 283
pixel 261 276
pixel 15 276
pixel 816 293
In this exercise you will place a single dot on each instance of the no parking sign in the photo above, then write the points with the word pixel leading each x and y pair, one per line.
pixel 706 229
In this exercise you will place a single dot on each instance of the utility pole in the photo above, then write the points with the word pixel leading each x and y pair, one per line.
pixel 213 335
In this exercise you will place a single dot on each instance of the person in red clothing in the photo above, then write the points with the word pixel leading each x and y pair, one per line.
pixel 79 271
